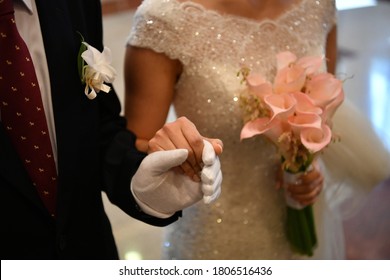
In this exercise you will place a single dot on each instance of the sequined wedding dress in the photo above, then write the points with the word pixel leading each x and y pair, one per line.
pixel 248 220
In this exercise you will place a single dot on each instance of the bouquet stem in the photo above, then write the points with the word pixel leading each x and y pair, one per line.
pixel 301 230
pixel 300 226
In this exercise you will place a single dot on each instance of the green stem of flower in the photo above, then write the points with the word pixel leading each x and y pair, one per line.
pixel 301 230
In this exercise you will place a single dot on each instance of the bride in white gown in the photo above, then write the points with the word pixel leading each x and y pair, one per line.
pixel 248 220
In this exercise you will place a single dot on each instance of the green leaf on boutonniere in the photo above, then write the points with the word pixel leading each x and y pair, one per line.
pixel 80 60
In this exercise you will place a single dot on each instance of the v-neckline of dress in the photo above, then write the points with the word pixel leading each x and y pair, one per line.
pixel 199 7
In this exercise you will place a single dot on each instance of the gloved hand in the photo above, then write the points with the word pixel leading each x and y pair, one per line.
pixel 161 192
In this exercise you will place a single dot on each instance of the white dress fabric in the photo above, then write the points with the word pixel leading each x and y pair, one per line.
pixel 248 220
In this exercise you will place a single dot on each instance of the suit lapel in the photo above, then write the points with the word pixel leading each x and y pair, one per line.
pixel 61 51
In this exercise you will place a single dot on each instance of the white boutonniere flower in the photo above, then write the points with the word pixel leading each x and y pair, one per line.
pixel 95 69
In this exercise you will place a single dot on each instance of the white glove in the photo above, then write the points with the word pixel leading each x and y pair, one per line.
pixel 161 192
pixel 211 175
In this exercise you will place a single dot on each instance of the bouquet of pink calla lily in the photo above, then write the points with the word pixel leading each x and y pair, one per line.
pixel 300 104
pixel 294 111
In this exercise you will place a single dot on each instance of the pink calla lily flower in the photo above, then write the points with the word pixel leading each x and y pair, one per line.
pixel 258 86
pixel 305 104
pixel 311 64
pixel 302 121
pixel 255 79
pixel 316 139
pixel 284 59
pixel 271 129
pixel 281 105
pixel 331 108
pixel 290 79
pixel 323 89
pixel 255 127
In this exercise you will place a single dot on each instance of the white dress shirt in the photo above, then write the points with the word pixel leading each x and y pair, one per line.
pixel 27 22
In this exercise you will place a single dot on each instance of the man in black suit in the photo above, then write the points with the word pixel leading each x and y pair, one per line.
pixel 94 152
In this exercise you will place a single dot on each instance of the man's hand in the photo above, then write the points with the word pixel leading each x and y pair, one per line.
pixel 160 191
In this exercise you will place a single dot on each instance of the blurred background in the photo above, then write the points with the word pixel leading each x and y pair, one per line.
pixel 364 53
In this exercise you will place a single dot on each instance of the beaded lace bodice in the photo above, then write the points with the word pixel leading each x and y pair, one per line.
pixel 212 47
pixel 248 219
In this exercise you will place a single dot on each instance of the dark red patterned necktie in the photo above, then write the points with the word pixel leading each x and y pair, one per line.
pixel 22 112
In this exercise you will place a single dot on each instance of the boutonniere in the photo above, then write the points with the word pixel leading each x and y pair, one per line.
pixel 95 69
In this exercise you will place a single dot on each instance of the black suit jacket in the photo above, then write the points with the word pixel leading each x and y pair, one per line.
pixel 95 153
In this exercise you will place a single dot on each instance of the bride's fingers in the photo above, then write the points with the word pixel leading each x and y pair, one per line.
pixel 191 140
pixel 191 166
pixel 217 145
pixel 194 145
pixel 307 187
pixel 182 134
pixel 302 188
pixel 311 175
pixel 308 199
pixel 160 143
pixel 173 136
pixel 190 171
pixel 310 195
pixel 185 168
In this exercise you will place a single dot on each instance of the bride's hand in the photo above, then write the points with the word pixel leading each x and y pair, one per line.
pixel 308 187
pixel 182 134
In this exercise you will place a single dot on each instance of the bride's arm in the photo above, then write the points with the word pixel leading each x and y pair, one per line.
pixel 149 88
pixel 150 79
pixel 331 50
